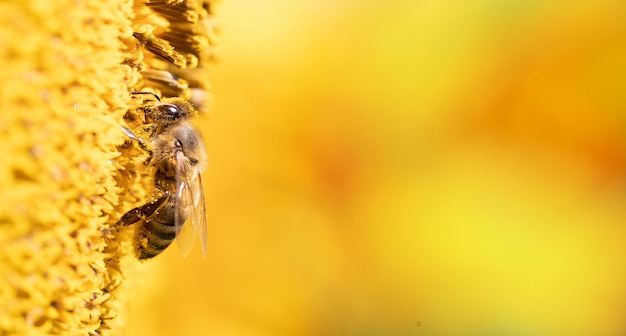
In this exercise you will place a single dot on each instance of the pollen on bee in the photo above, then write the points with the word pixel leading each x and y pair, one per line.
pixel 143 242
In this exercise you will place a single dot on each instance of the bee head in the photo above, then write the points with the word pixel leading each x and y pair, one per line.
pixel 171 110
pixel 166 111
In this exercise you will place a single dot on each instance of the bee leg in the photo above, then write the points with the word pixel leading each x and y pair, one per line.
pixel 142 143
pixel 131 217
pixel 149 129
pixel 147 111
pixel 142 212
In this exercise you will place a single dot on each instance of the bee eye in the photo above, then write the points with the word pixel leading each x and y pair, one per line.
pixel 178 144
pixel 170 110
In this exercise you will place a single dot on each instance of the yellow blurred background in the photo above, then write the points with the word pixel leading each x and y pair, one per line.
pixel 408 168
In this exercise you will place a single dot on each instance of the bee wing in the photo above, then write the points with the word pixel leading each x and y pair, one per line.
pixel 185 233
pixel 198 211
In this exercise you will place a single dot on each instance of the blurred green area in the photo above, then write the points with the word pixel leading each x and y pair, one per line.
pixel 408 168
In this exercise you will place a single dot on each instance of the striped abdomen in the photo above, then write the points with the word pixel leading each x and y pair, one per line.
pixel 158 232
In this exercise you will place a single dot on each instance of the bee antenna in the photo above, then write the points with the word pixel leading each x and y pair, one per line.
pixel 147 93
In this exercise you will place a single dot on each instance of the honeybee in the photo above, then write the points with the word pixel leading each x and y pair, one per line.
pixel 178 157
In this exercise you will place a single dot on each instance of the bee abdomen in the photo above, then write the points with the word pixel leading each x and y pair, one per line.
pixel 153 238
